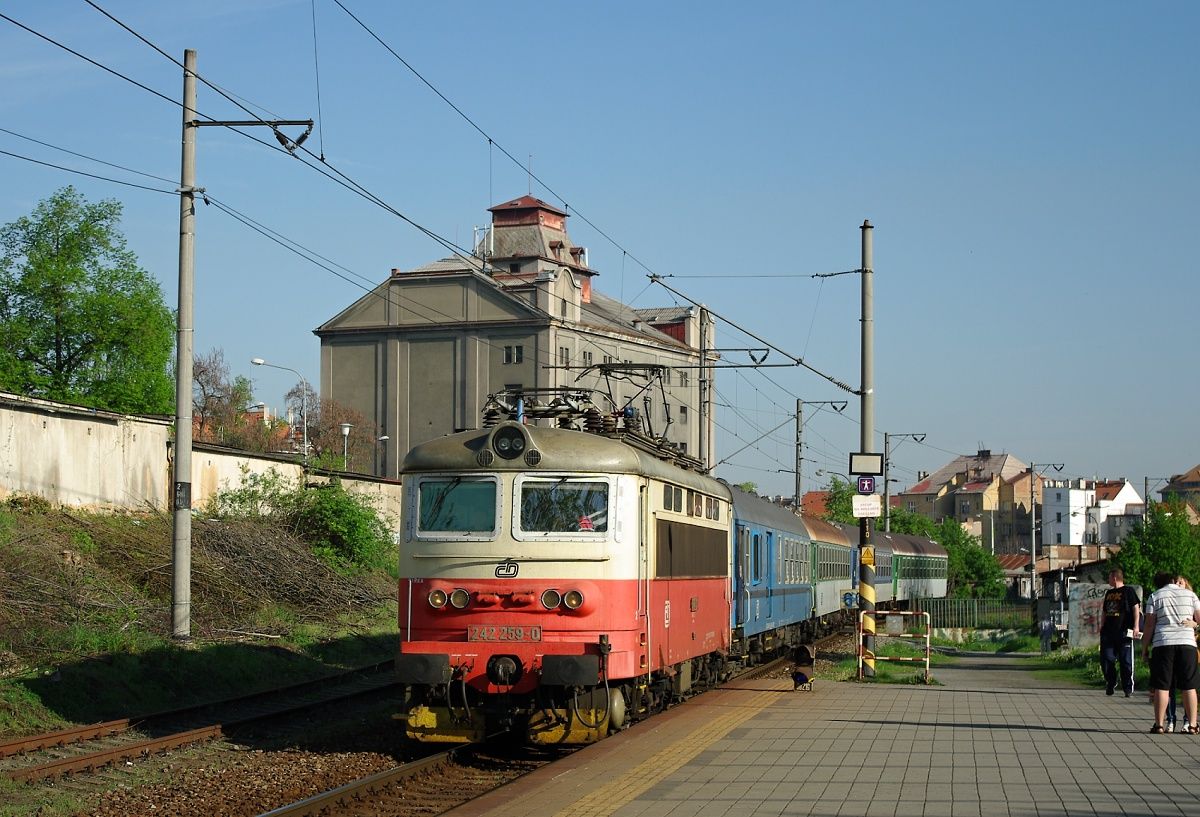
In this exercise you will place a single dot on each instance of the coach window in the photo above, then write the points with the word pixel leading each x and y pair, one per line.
pixel 563 505
pixel 456 505
pixel 757 573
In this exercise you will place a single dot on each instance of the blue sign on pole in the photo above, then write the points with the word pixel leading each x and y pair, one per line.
pixel 866 485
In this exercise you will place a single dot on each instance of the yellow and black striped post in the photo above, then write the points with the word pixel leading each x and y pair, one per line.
pixel 866 594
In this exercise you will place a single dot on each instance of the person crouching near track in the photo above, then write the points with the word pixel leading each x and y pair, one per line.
pixel 1169 639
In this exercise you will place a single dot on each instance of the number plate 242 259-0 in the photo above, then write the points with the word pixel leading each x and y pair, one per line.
pixel 503 632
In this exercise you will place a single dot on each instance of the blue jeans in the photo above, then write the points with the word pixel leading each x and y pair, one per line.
pixel 1114 655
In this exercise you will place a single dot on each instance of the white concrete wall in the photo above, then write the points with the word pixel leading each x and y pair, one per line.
pixel 81 458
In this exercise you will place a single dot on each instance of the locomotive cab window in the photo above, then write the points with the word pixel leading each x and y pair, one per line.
pixel 562 505
pixel 456 505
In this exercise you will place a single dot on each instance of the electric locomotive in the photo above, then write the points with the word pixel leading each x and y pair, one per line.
pixel 556 584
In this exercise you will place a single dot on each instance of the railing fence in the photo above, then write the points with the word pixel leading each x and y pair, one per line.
pixel 977 614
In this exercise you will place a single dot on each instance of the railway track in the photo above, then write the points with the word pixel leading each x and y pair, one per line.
pixel 89 748
pixel 441 782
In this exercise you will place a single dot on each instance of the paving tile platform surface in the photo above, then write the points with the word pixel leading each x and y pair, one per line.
pixel 991 741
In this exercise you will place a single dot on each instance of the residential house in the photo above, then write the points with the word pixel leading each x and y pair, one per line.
pixel 987 493
pixel 1185 487
pixel 1084 520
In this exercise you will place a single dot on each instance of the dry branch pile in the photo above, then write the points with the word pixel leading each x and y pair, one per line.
pixel 74 583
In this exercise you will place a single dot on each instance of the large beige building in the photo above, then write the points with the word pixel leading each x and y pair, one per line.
pixel 420 354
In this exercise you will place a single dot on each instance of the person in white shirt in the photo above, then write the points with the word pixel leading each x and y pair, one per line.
pixel 1172 614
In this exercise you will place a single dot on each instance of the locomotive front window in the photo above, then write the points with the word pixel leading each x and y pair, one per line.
pixel 563 506
pixel 456 505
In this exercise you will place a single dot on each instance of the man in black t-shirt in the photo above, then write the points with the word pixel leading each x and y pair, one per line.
pixel 1121 624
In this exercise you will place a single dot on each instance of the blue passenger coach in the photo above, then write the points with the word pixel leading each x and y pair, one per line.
pixel 772 576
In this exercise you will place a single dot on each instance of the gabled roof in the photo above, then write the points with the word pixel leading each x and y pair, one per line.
pixel 665 314
pixel 1108 489
pixel 443 265
pixel 526 203
pixel 1190 476
pixel 980 466
pixel 974 487
pixel 612 315
pixel 1013 562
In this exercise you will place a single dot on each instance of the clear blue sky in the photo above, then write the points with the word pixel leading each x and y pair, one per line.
pixel 1030 169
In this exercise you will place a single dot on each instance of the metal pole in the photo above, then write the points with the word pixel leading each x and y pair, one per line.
pixel 799 458
pixel 1032 535
pixel 866 572
pixel 181 500
pixel 887 500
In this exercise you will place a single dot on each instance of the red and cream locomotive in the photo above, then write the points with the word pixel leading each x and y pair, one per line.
pixel 556 583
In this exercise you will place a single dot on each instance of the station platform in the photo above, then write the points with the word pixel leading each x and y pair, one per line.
pixel 989 738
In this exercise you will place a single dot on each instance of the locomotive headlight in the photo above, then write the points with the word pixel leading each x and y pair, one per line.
pixel 438 599
pixel 509 442
pixel 573 599
pixel 459 598
pixel 551 599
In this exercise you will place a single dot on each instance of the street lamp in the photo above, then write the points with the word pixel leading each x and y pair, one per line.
pixel 823 471
pixel 258 361
pixel 346 445
pixel 887 488
pixel 380 458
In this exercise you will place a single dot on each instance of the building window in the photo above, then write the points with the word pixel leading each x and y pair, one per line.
pixel 608 359
pixel 1058 517
pixel 587 359
pixel 563 308
pixel 514 354
pixel 1058 538
pixel 683 378
pixel 683 412
pixel 667 376
pixel 564 356
pixel 514 268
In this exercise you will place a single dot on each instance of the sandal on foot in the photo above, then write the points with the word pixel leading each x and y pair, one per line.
pixel 1157 729
pixel 1191 729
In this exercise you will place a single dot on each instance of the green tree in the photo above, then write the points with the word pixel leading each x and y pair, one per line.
pixel 1165 541
pixel 748 487
pixel 972 571
pixel 80 321
pixel 839 505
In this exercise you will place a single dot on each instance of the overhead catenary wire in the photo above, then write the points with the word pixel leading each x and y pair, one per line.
pixel 359 189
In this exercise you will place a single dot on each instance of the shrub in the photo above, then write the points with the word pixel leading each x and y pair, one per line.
pixel 343 529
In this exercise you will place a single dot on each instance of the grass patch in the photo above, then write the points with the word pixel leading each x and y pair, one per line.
pixel 888 672
pixel 1082 666
pixel 998 641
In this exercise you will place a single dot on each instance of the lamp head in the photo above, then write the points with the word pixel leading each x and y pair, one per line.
pixel 346 429
pixel 257 361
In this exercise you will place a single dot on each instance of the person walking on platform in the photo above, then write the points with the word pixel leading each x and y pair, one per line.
pixel 1172 614
pixel 1119 627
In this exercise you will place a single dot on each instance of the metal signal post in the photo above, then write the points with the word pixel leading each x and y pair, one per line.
pixel 866 544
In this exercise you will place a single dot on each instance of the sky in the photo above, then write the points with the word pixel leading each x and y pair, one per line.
pixel 1030 170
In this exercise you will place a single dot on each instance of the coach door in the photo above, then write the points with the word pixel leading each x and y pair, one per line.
pixel 741 570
